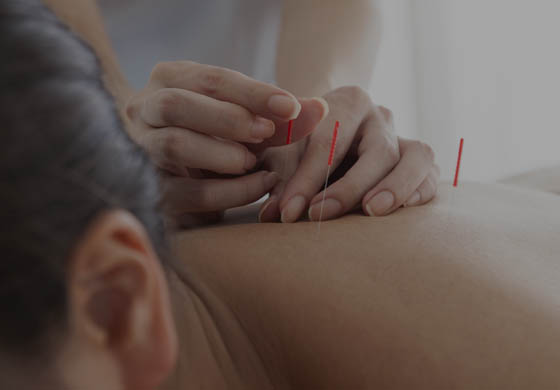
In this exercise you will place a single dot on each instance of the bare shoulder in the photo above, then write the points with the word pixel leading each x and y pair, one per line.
pixel 378 301
pixel 456 215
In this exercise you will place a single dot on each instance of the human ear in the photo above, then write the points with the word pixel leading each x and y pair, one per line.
pixel 119 299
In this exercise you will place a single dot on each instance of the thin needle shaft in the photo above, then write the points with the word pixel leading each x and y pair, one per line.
pixel 323 201
pixel 330 162
pixel 458 163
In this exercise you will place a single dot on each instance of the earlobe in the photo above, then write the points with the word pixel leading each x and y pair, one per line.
pixel 119 298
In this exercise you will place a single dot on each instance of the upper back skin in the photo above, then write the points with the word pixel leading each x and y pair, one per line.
pixel 460 293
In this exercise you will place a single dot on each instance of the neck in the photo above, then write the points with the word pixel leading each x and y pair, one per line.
pixel 214 350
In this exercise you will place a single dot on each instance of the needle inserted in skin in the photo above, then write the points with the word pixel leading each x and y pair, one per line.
pixel 331 156
pixel 456 181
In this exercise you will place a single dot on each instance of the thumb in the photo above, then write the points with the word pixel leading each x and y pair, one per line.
pixel 313 111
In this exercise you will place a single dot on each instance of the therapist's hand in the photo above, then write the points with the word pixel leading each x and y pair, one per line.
pixel 372 167
pixel 204 126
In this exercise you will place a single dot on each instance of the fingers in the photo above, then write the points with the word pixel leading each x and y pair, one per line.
pixel 351 109
pixel 313 111
pixel 284 161
pixel 392 192
pixel 270 210
pixel 343 196
pixel 306 182
pixel 223 84
pixel 378 155
pixel 189 110
pixel 175 150
pixel 427 190
pixel 308 178
pixel 172 107
pixel 187 195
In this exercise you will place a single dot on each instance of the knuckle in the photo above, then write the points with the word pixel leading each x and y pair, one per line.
pixel 428 152
pixel 170 146
pixel 237 122
pixel 212 80
pixel 357 98
pixel 167 104
pixel 387 114
pixel 387 154
pixel 132 109
pixel 354 92
pixel 253 94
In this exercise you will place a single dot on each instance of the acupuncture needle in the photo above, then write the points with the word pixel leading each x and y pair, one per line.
pixel 330 161
pixel 455 181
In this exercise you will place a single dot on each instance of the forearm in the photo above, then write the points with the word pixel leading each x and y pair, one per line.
pixel 326 44
pixel 84 18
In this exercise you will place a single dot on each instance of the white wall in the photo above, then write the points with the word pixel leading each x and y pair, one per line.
pixel 485 70
pixel 488 71
pixel 393 83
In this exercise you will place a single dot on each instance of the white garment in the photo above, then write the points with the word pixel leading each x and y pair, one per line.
pixel 236 34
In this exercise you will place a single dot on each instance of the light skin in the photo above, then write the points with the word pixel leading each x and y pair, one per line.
pixel 243 113
pixel 378 171
pixel 120 333
pixel 325 45
pixel 174 119
pixel 458 294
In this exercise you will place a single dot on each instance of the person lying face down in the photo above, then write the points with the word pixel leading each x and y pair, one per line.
pixel 458 294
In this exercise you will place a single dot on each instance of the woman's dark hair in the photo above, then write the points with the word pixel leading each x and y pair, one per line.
pixel 64 159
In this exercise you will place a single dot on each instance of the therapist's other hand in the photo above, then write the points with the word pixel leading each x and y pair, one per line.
pixel 372 167
pixel 197 121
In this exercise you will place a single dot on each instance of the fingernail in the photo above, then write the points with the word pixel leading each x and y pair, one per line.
pixel 293 209
pixel 380 203
pixel 263 216
pixel 270 179
pixel 250 160
pixel 331 209
pixel 413 200
pixel 284 106
pixel 262 128
pixel 325 106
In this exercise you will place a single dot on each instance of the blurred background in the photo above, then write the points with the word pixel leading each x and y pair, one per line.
pixel 484 70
